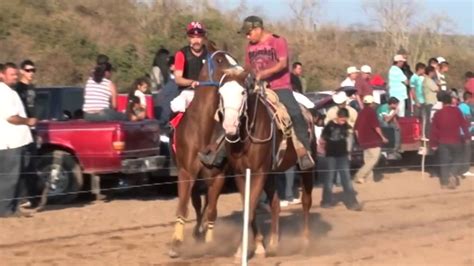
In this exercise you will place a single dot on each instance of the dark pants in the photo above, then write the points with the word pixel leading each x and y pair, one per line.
pixel 299 123
pixel 338 165
pixel 450 159
pixel 29 184
pixel 105 115
pixel 10 167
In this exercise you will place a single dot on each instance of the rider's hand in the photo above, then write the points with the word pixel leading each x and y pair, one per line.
pixel 194 84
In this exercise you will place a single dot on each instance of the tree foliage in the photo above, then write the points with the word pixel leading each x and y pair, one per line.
pixel 63 37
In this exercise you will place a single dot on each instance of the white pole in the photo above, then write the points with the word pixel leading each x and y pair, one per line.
pixel 245 236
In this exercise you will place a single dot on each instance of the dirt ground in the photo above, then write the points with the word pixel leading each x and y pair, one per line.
pixel 406 220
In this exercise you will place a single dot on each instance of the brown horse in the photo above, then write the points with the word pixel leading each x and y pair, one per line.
pixel 252 139
pixel 193 134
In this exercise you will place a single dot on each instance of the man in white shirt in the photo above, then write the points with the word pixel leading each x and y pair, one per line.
pixel 352 73
pixel 443 68
pixel 16 135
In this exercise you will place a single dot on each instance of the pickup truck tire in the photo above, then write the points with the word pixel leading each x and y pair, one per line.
pixel 62 176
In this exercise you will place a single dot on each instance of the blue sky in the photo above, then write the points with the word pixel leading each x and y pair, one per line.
pixel 349 12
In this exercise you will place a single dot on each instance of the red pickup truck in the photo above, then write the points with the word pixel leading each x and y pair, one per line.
pixel 71 148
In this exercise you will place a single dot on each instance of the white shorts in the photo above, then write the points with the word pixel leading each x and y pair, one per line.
pixel 182 101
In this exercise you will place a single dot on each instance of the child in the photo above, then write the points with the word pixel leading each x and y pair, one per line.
pixel 139 88
pixel 135 111
pixel 334 136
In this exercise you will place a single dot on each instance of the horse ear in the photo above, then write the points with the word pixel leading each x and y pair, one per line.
pixel 211 46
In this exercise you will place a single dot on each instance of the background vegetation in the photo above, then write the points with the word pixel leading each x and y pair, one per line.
pixel 63 37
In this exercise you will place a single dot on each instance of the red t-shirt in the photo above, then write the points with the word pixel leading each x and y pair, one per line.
pixel 446 127
pixel 266 54
pixel 469 86
pixel 365 125
pixel 179 60
pixel 363 87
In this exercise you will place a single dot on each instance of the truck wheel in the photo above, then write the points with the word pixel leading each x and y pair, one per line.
pixel 61 173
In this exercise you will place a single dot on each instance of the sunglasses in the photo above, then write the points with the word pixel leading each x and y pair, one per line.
pixel 30 70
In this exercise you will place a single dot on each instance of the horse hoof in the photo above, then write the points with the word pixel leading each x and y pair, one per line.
pixel 271 252
pixel 173 253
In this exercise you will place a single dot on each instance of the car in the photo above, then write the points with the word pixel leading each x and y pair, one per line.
pixel 71 149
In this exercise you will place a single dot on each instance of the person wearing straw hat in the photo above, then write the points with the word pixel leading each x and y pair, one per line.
pixel 397 83
pixel 370 138
pixel 352 73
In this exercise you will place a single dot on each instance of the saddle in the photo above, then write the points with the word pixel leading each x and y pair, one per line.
pixel 282 119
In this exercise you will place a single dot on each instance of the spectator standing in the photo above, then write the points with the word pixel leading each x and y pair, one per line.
pixel 160 71
pixel 397 82
pixel 362 84
pixel 165 96
pixel 16 136
pixel 416 85
pixel 370 139
pixel 352 73
pixel 387 114
pixel 25 87
pixel 469 85
pixel 26 91
pixel 335 135
pixel 430 91
pixel 100 96
pixel 446 137
pixel 340 99
pixel 466 109
pixel 441 75
pixel 297 80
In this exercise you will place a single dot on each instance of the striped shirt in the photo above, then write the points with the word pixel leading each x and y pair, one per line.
pixel 97 95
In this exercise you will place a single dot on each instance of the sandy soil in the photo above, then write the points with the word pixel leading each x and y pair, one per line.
pixel 406 220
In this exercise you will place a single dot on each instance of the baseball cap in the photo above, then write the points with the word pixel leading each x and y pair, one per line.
pixel 368 99
pixel 399 58
pixel 195 28
pixel 250 23
pixel 366 69
pixel 441 60
pixel 339 97
pixel 352 69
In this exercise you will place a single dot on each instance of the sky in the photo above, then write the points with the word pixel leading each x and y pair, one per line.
pixel 350 12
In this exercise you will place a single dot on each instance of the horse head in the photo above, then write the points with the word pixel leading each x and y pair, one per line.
pixel 224 72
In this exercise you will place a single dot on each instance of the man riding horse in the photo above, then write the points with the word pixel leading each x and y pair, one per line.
pixel 188 63
pixel 267 57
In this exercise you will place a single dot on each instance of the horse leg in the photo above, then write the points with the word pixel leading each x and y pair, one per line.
pixel 198 209
pixel 256 187
pixel 213 194
pixel 185 186
pixel 270 189
pixel 307 189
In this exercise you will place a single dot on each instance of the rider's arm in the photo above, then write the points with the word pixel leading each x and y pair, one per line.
pixel 179 70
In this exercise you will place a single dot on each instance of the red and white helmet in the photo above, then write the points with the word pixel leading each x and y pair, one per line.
pixel 196 28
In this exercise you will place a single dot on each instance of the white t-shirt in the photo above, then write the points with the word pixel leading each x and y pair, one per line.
pixel 348 83
pixel 142 97
pixel 13 136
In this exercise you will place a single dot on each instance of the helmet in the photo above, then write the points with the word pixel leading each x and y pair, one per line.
pixel 195 28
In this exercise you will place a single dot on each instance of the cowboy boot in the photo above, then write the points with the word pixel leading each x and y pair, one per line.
pixel 305 161
pixel 214 154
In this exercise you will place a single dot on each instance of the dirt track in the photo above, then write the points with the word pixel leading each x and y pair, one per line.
pixel 406 220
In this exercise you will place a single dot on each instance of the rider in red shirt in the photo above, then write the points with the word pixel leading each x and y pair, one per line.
pixel 267 56
pixel 188 63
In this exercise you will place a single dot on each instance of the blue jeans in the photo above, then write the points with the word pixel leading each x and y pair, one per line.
pixel 286 185
pixel 338 165
pixel 105 115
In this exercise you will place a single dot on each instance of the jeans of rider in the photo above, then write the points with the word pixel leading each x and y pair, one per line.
pixel 299 123
pixel 338 165
pixel 450 159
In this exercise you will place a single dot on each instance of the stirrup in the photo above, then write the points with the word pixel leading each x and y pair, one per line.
pixel 306 162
